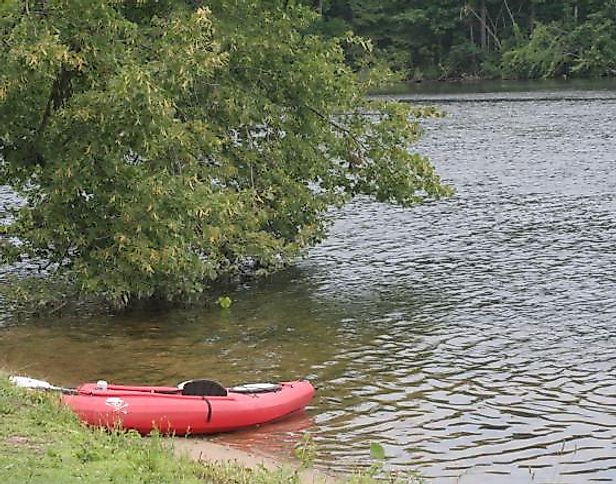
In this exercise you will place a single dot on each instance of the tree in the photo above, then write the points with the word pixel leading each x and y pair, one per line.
pixel 580 45
pixel 458 38
pixel 411 35
pixel 159 145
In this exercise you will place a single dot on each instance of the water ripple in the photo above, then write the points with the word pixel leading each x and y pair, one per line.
pixel 473 338
pixel 500 354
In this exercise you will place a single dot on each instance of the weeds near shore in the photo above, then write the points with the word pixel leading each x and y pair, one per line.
pixel 306 450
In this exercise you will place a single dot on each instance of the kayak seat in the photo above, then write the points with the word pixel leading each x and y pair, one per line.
pixel 204 388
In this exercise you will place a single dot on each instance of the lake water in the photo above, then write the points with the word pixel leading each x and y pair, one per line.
pixel 474 338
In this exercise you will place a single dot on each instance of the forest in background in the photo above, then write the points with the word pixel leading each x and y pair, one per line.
pixel 458 39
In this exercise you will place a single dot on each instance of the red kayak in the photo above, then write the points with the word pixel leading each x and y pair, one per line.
pixel 195 407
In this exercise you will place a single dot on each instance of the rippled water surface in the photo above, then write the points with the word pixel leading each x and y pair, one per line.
pixel 474 338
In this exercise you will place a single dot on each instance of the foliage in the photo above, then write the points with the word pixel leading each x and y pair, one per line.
pixel 377 451
pixel 160 146
pixel 544 55
pixel 596 41
pixel 453 39
pixel 586 50
pixel 464 59
pixel 224 302
pixel 36 296
pixel 409 35
pixel 305 450
pixel 376 470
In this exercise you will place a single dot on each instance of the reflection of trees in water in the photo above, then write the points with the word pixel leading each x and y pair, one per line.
pixel 277 329
pixel 267 334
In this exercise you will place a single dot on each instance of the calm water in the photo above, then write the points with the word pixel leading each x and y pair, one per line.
pixel 473 338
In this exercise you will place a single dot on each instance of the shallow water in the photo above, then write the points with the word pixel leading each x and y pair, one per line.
pixel 473 338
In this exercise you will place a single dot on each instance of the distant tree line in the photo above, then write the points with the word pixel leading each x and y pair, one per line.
pixel 448 39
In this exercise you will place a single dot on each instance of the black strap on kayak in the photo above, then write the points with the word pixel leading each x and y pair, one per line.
pixel 209 410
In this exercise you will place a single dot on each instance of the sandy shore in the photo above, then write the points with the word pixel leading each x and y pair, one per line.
pixel 204 450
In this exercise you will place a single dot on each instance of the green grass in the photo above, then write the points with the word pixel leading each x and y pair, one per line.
pixel 40 441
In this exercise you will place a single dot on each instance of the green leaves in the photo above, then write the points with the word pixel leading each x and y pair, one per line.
pixel 450 39
pixel 554 49
pixel 224 302
pixel 160 152
pixel 377 451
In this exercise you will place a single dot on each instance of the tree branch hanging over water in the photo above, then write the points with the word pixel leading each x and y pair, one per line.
pixel 167 144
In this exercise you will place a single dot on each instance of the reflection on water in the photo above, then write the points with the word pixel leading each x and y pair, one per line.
pixel 277 438
pixel 473 338
pixel 252 341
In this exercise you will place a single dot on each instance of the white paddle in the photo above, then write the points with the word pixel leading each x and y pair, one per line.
pixel 27 382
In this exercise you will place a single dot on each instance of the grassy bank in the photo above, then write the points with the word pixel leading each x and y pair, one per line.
pixel 43 442
pixel 40 441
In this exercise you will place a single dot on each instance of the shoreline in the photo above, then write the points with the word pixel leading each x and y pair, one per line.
pixel 204 450
pixel 44 441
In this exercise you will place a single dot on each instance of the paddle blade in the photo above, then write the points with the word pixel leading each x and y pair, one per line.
pixel 26 382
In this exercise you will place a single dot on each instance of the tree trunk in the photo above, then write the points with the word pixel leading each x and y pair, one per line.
pixel 484 28
pixel 318 5
pixel 532 17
